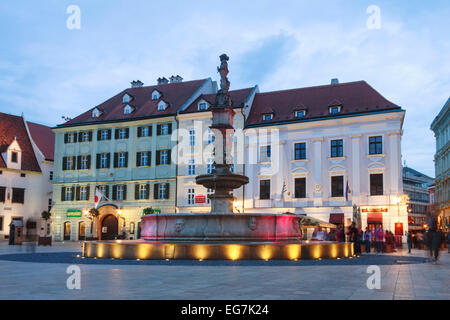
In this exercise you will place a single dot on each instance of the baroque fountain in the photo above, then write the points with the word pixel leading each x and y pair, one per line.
pixel 221 234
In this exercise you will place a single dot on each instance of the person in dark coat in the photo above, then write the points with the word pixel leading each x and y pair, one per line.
pixel 433 237
pixel 12 233
pixel 409 241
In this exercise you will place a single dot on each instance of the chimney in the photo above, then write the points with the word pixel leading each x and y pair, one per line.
pixel 175 79
pixel 162 80
pixel 335 81
pixel 136 84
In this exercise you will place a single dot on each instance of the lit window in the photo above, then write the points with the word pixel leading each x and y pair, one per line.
pixel 83 193
pixel 69 194
pixel 120 192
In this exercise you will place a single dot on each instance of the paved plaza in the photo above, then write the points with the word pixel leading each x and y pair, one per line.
pixel 40 273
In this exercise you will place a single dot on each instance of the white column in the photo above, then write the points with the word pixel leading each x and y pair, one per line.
pixel 395 162
pixel 355 186
pixel 317 171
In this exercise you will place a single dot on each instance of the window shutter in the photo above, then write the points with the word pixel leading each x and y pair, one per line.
pixel 77 193
pixel 150 130
pixel 107 191
pixel 124 192
pixel 127 133
pixel 87 192
pixel 170 128
pixel 98 160
pixel 75 136
pixel 89 161
pixel 147 196
pixel 80 136
pixel 63 194
pixel 99 135
pixel 66 137
pixel 126 159
pixel 114 192
pixel 116 134
pixel 169 156
pixel 136 192
pixel 116 159
pixel 158 157
pixel 150 158
pixel 73 192
pixel 138 159
pixel 155 191
pixel 64 164
pixel 158 130
pixel 167 190
pixel 78 162
pixel 108 160
pixel 109 134
pixel 90 136
pixel 139 132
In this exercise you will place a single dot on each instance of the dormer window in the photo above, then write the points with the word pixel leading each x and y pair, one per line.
pixel 300 114
pixel 335 109
pixel 162 106
pixel 128 109
pixel 202 106
pixel 14 157
pixel 96 113
pixel 126 98
pixel 267 117
pixel 156 95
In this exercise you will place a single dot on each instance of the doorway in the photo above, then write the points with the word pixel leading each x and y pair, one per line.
pixel 67 227
pixel 109 228
pixel 82 230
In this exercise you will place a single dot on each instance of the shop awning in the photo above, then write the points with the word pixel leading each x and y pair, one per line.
pixel 375 217
pixel 337 218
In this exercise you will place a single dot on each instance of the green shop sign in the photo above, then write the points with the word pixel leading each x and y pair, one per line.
pixel 153 211
pixel 74 213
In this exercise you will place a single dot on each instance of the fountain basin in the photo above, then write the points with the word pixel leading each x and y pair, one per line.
pixel 145 250
pixel 221 227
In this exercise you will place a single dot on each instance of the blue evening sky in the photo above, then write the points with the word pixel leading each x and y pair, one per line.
pixel 48 71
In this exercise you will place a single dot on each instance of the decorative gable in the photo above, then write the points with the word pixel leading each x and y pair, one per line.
pixel 126 98
pixel 156 95
pixel 162 105
pixel 96 113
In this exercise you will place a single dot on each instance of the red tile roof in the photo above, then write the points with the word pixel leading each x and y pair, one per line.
pixel 14 126
pixel 238 98
pixel 44 138
pixel 355 97
pixel 175 94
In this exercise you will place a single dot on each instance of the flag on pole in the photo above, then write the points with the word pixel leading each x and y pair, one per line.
pixel 98 197
pixel 347 191
pixel 284 189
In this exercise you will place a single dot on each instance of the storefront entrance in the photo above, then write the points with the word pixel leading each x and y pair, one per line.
pixel 82 230
pixel 109 228
pixel 67 227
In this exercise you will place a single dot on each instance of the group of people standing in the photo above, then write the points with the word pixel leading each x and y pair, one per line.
pixel 376 237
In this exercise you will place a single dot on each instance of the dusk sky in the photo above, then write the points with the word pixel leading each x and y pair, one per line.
pixel 48 71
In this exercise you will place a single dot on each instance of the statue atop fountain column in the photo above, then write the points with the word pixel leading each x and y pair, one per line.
pixel 222 180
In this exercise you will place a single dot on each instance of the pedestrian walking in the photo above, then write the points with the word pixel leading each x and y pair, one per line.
pixel 433 238
pixel 409 241
pixel 367 239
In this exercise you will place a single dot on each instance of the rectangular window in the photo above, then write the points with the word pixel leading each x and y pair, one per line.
pixel 70 137
pixel 104 160
pixel 2 194
pixel 68 163
pixel 267 117
pixel 210 136
pixel 376 184
pixel 300 114
pixel 85 136
pixel 300 151
pixel 164 157
pixel 14 157
pixel 104 135
pixel 210 166
pixel 264 189
pixel 122 160
pixel 1 223
pixel 191 196
pixel 143 159
pixel 191 167
pixel 84 163
pixel 337 186
pixel 164 129
pixel 120 192
pixel 300 188
pixel 376 145
pixel 162 191
pixel 143 191
pixel 104 190
pixel 69 194
pixel 337 148
pixel 265 153
pixel 83 193
pixel 122 133
pixel 49 207
pixel 335 110
pixel 144 131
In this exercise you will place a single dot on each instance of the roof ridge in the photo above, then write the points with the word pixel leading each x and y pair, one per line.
pixel 315 87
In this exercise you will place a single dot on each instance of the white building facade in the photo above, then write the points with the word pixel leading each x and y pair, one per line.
pixel 26 173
